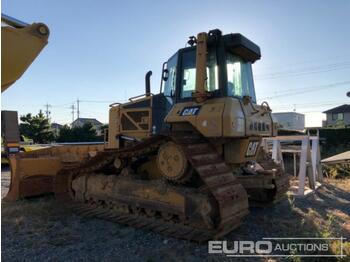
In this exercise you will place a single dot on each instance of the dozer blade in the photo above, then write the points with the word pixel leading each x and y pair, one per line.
pixel 31 176
pixel 33 173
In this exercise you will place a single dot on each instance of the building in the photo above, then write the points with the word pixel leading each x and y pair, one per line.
pixel 290 120
pixel 79 122
pixel 337 117
pixel 56 128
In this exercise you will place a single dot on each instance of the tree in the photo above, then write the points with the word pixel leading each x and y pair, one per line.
pixel 86 133
pixel 103 129
pixel 37 128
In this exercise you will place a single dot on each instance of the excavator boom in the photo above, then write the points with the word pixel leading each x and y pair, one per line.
pixel 21 43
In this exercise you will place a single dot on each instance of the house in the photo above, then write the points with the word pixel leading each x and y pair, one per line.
pixel 342 158
pixel 79 122
pixel 290 120
pixel 337 117
pixel 56 128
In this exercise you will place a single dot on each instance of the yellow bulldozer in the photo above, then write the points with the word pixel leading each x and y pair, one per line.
pixel 184 162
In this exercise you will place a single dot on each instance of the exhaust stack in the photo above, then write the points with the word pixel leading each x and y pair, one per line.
pixel 148 83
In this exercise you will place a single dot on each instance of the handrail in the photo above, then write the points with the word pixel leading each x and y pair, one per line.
pixel 131 99
pixel 114 104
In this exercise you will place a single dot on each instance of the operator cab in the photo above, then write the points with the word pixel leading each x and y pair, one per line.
pixel 228 75
pixel 229 68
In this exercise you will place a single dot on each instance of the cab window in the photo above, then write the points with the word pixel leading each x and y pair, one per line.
pixel 188 85
pixel 239 77
pixel 170 83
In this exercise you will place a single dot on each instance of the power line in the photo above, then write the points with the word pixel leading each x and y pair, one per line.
pixel 76 109
pixel 311 61
pixel 301 108
pixel 47 111
pixel 344 63
pixel 78 112
pixel 298 91
pixel 330 102
pixel 96 101
pixel 304 71
pixel 68 105
pixel 73 108
pixel 301 74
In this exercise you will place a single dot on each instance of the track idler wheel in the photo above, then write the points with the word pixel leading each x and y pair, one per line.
pixel 173 164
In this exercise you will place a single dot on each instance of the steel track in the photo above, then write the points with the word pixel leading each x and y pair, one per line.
pixel 230 196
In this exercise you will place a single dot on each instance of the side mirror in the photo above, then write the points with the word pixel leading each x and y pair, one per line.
pixel 165 74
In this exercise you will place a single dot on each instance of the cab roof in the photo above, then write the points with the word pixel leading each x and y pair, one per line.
pixel 235 43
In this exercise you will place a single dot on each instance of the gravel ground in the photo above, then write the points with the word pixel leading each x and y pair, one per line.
pixel 39 229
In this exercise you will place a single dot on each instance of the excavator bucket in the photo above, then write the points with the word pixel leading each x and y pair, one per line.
pixel 21 43
pixel 33 173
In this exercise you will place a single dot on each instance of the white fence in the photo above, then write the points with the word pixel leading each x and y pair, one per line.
pixel 310 158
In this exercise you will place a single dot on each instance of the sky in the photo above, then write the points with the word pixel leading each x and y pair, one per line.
pixel 99 51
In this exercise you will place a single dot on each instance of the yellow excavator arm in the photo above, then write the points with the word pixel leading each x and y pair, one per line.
pixel 21 43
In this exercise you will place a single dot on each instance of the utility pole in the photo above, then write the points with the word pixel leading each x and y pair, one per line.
pixel 47 111
pixel 73 108
pixel 78 112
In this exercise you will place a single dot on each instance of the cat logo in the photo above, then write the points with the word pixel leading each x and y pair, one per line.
pixel 252 148
pixel 190 111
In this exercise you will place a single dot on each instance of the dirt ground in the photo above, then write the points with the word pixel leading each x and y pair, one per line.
pixel 39 229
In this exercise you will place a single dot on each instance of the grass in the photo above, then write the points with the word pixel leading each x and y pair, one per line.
pixel 323 214
pixel 337 171
pixel 333 218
